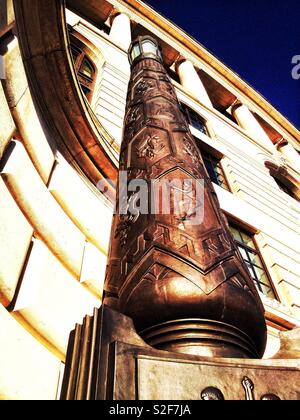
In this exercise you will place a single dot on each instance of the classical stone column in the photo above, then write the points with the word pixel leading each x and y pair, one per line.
pixel 191 81
pixel 248 122
pixel 120 31
pixel 289 153
pixel 175 272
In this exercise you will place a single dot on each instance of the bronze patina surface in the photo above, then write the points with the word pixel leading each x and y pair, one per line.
pixel 183 283
pixel 108 360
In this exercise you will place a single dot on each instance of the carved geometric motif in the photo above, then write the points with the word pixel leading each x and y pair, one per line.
pixel 240 283
pixel 190 150
pixel 216 245
pixel 164 110
pixel 148 148
pixel 143 87
pixel 126 221
pixel 157 272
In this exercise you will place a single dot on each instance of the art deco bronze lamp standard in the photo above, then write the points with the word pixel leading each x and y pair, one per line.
pixel 183 283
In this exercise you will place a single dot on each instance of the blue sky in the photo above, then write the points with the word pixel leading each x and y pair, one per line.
pixel 256 38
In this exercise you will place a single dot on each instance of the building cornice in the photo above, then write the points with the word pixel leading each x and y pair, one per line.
pixel 203 54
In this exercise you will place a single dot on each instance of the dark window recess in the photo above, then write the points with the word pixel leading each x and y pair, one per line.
pixel 229 116
pixel 215 170
pixel 173 75
pixel 85 69
pixel 194 119
pixel 286 189
pixel 253 260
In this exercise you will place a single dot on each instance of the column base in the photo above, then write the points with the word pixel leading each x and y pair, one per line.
pixel 108 360
pixel 200 337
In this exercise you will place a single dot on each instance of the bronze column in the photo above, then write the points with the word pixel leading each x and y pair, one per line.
pixel 183 283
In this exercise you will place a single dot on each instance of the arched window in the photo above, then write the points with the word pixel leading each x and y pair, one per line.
pixel 85 68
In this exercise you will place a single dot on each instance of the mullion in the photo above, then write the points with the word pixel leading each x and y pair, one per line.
pixel 257 266
pixel 187 114
pixel 253 267
pixel 257 281
pixel 264 284
pixel 247 247
pixel 210 163
pixel 79 61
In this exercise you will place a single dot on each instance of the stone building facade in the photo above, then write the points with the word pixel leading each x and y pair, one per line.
pixel 62 102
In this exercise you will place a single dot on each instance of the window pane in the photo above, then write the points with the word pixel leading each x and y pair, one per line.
pixel 261 275
pixel 135 51
pixel 251 271
pixel 87 69
pixel 243 253
pixel 268 291
pixel 197 122
pixel 75 53
pixel 255 259
pixel 214 170
pixel 247 239
pixel 235 233
pixel 86 91
pixel 194 119
pixel 211 171
pixel 149 47
pixel 222 181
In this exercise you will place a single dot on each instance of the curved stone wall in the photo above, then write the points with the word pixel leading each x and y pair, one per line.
pixel 55 148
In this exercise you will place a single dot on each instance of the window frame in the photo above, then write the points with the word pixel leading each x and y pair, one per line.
pixel 219 162
pixel 84 53
pixel 242 228
pixel 186 111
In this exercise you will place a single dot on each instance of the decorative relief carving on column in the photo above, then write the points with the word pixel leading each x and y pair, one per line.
pixel 190 150
pixel 203 275
pixel 150 147
pixel 126 221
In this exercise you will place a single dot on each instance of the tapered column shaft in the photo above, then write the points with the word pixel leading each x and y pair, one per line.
pixel 177 274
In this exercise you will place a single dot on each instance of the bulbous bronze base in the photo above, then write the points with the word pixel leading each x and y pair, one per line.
pixel 173 313
pixel 200 337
